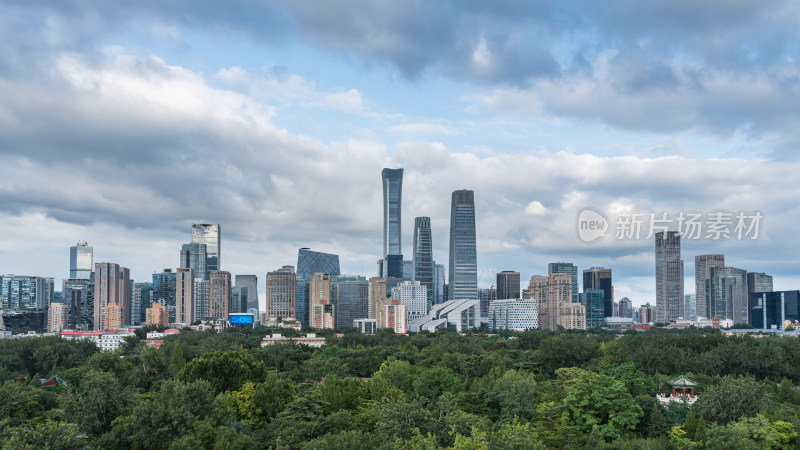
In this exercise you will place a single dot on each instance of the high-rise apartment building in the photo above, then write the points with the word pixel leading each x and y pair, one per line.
pixel 392 180
pixel 350 299
pixel 729 294
pixel 156 315
pixel 669 276
pixel 600 278
pixel 569 269
pixel 395 316
pixel 308 263
pixel 281 293
pixel 321 310
pixel 554 296
pixel 209 234
pixel 463 271
pixel 423 256
pixel 184 296
pixel 220 290
pixel 112 284
pixel 249 282
pixel 508 285
pixel 57 317
pixel 114 317
pixel 413 295
pixel 202 299
pixel 703 264
pixel 194 256
pixel 80 261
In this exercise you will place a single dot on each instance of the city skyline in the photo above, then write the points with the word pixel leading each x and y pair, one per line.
pixel 122 128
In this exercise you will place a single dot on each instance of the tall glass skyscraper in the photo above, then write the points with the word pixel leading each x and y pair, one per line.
pixel 569 269
pixel 350 299
pixel 250 282
pixel 439 279
pixel 600 278
pixel 392 180
pixel 209 234
pixel 507 285
pixel 194 256
pixel 669 276
pixel 80 261
pixel 703 266
pixel 463 270
pixel 423 255
pixel 310 262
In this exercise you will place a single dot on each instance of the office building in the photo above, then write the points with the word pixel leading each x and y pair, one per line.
pixel 569 269
pixel 57 317
pixel 439 280
pixel 729 294
pixel 463 271
pixel 379 296
pixel 164 291
pixel 413 295
pixel 156 315
pixel 702 282
pixel 508 285
pixel 625 308
pixel 308 263
pixel 220 290
pixel 423 255
pixel 238 300
pixel 78 295
pixel 457 315
pixel 774 310
pixel 112 284
pixel 594 302
pixel 600 278
pixel 281 293
pixel 321 310
pixel 141 299
pixel 758 282
pixel 646 314
pixel 184 296
pixel 486 296
pixel 408 270
pixel 366 326
pixel 552 293
pixel 81 261
pixel 690 306
pixel 350 299
pixel 392 181
pixel 22 292
pixel 250 282
pixel 194 256
pixel 211 236
pixel 513 314
pixel 669 276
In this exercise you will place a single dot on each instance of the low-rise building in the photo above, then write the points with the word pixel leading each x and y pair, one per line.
pixel 459 315
pixel 513 314
pixel 310 339
pixel 366 326
pixel 105 340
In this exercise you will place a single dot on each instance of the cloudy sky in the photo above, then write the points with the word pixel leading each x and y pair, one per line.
pixel 123 124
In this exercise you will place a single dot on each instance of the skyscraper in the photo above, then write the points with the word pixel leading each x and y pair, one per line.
pixel 320 308
pixel 625 308
pixel 507 285
pixel 594 301
pixel 423 255
pixel 112 284
pixel 220 290
pixel 411 294
pixel 80 261
pixel 209 234
pixel 310 262
pixel 463 271
pixel 439 280
pixel 600 278
pixel 729 298
pixel 281 293
pixel 195 257
pixel 702 282
pixel 141 299
pixel 569 269
pixel 164 291
pixel 251 283
pixel 758 282
pixel 555 306
pixel 392 180
pixel 78 294
pixel 184 296
pixel 669 276
pixel 350 299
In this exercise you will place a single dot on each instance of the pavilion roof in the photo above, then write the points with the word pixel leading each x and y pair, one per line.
pixel 682 381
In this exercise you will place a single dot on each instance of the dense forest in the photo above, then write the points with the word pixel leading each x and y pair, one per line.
pixel 538 389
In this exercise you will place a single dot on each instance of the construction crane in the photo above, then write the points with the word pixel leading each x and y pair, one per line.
pixel 493 274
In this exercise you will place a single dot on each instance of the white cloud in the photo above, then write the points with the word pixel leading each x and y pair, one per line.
pixel 535 208
pixel 423 129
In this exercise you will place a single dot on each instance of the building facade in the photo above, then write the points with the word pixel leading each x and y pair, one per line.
pixel 81 261
pixel 250 282
pixel 78 294
pixel 508 285
pixel 774 310
pixel 308 263
pixel 57 317
pixel 164 291
pixel 669 276
pixel 392 181
pixel 463 271
pixel 423 256
pixel 414 296
pixel 184 296
pixel 156 315
pixel 350 299
pixel 569 269
pixel 220 290
pixel 321 310
pixel 729 294
pixel 513 314
pixel 211 236
pixel 758 282
pixel 194 256
pixel 625 308
pixel 594 302
pixel 439 280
